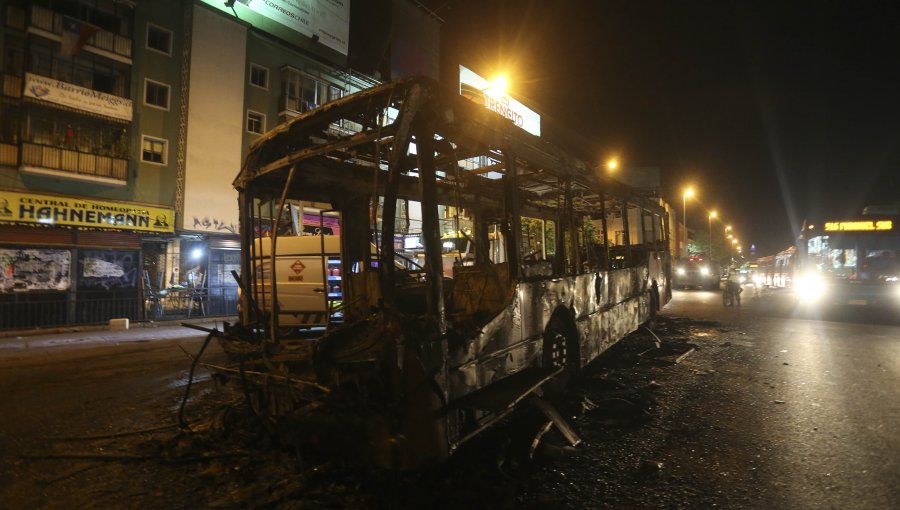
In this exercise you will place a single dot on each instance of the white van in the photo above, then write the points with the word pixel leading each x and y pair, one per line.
pixel 309 278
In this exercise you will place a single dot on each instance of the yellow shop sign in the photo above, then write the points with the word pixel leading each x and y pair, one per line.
pixel 18 207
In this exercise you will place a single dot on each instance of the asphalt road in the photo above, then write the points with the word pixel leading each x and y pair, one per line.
pixel 778 408
pixel 51 384
pixel 832 439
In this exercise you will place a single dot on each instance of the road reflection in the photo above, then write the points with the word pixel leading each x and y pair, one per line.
pixel 783 303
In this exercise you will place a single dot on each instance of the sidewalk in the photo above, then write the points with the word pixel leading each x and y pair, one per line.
pixel 101 333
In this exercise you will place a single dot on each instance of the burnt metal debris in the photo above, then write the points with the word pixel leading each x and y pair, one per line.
pixel 430 351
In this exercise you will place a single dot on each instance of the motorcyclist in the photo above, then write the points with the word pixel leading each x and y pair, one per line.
pixel 732 292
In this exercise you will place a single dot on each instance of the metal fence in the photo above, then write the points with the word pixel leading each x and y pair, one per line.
pixel 33 309
pixel 47 309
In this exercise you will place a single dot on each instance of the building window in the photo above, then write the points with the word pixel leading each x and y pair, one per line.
pixel 159 39
pixel 153 150
pixel 259 76
pixel 156 94
pixel 83 69
pixel 301 92
pixel 256 122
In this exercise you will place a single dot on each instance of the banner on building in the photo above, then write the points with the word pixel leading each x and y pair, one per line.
pixel 80 98
pixel 327 21
pixel 16 207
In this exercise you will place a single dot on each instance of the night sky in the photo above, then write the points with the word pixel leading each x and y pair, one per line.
pixel 775 111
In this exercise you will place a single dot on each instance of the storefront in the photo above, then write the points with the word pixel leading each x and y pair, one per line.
pixel 72 260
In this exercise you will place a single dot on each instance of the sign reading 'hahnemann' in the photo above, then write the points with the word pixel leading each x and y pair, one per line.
pixel 18 207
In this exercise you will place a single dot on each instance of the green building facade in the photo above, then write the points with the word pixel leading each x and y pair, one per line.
pixel 122 126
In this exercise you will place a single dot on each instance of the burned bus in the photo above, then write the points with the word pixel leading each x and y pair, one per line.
pixel 478 264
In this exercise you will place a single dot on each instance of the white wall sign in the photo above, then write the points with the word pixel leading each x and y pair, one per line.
pixel 80 98
pixel 476 88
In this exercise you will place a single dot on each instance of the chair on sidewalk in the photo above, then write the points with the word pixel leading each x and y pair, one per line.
pixel 153 306
pixel 197 293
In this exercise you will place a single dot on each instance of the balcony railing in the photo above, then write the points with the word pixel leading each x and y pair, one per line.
pixel 50 21
pixel 79 164
pixel 12 85
pixel 9 154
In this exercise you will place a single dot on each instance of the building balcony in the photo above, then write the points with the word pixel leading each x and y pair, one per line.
pixel 9 154
pixel 44 21
pixel 72 164
pixel 12 85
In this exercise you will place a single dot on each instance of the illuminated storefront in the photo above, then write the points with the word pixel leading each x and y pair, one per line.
pixel 68 260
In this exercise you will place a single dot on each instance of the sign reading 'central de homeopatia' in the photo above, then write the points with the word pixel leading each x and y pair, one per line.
pixel 78 212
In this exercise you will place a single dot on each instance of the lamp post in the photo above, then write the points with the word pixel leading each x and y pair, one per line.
pixel 688 192
pixel 711 216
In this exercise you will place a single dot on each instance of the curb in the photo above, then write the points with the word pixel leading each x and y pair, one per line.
pixel 105 327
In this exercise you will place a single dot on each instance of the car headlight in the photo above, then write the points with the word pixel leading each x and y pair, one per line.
pixel 704 271
pixel 809 287
pixel 680 271
pixel 742 279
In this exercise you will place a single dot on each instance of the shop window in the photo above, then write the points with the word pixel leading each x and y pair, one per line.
pixel 256 122
pixel 35 270
pixel 259 76
pixel 159 39
pixel 154 150
pixel 107 270
pixel 156 94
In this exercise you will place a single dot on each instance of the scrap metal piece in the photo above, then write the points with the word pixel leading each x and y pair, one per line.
pixel 668 352
pixel 561 424
pixel 537 438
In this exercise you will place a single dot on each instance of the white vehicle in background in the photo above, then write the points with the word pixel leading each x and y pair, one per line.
pixel 308 271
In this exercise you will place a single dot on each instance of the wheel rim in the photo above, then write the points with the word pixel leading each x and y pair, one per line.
pixel 557 356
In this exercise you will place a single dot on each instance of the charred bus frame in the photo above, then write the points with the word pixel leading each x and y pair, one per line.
pixel 442 357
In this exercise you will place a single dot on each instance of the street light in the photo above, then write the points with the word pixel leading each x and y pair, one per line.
pixel 688 192
pixel 612 164
pixel 711 216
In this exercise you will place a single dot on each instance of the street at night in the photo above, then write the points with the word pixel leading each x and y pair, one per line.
pixel 770 411
pixel 498 254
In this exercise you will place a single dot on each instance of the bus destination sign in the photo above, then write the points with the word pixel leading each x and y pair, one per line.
pixel 859 226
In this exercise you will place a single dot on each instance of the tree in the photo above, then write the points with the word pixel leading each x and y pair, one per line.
pixel 721 247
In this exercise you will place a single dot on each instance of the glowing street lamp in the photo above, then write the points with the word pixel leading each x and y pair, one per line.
pixel 612 165
pixel 688 192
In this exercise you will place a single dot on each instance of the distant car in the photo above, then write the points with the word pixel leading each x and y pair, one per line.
pixel 696 271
